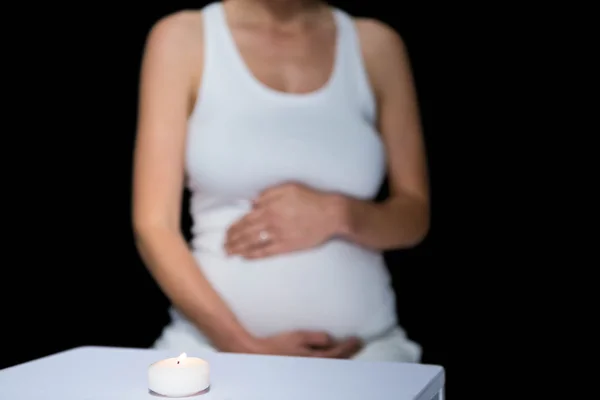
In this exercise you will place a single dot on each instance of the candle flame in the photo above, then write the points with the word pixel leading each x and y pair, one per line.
pixel 181 358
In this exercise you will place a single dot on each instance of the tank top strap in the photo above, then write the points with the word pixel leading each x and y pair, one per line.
pixel 353 72
pixel 218 72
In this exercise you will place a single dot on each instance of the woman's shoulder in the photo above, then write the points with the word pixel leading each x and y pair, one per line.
pixel 378 38
pixel 382 48
pixel 176 39
pixel 178 27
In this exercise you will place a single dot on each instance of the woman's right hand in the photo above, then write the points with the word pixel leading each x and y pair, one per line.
pixel 307 344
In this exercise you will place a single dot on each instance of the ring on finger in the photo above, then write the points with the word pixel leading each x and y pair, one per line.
pixel 263 236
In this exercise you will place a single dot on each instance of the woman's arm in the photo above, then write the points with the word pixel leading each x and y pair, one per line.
pixel 167 90
pixel 403 219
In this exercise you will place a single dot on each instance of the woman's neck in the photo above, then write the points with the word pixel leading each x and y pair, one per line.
pixel 280 12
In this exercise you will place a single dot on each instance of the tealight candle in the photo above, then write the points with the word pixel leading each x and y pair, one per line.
pixel 179 377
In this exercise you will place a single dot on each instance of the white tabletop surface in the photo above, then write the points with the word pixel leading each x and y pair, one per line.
pixel 94 373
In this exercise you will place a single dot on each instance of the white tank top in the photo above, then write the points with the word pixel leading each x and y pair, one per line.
pixel 244 137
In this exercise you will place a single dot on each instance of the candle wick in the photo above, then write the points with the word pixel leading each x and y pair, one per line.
pixel 177 362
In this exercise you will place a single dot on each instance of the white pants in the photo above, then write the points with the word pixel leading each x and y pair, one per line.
pixel 179 337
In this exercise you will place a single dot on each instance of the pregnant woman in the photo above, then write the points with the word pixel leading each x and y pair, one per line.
pixel 282 117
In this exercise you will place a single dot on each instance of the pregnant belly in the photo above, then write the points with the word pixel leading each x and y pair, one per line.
pixel 339 287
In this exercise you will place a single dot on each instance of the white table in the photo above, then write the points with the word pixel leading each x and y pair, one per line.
pixel 104 373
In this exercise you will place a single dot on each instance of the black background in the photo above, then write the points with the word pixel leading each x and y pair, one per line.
pixel 74 276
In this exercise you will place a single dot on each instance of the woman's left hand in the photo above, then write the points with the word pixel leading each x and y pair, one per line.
pixel 285 218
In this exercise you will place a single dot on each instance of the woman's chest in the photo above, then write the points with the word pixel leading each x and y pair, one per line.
pixel 244 152
pixel 288 63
